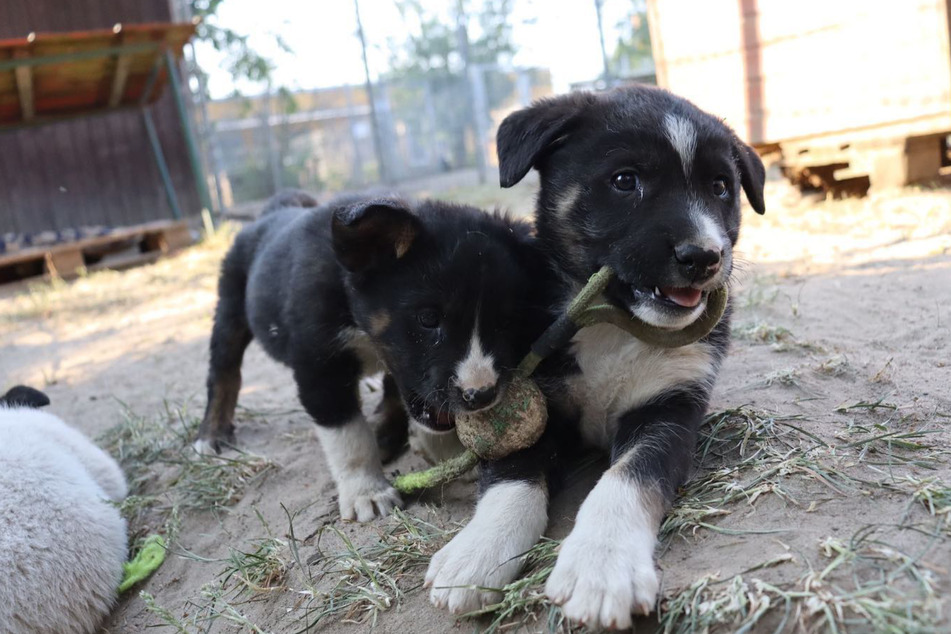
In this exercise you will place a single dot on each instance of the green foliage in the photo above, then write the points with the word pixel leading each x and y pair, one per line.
pixel 633 50
pixel 242 61
pixel 434 47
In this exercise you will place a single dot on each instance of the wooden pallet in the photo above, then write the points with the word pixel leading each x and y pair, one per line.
pixel 140 244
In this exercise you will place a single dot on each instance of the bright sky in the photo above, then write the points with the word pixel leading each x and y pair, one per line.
pixel 559 34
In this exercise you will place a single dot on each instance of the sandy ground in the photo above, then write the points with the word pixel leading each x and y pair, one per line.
pixel 816 515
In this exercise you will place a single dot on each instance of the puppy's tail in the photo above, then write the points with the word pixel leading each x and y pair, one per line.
pixel 23 396
pixel 289 198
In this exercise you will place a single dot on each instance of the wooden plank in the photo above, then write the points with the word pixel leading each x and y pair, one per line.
pixel 122 262
pixel 119 80
pixel 64 263
pixel 789 57
pixel 172 230
pixel 168 240
pixel 24 77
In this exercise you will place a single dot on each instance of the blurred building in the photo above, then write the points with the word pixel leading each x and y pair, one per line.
pixel 849 93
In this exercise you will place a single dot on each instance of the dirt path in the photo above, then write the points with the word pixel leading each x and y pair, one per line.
pixel 837 397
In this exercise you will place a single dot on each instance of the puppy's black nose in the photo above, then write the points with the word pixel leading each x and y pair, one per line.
pixel 478 399
pixel 698 263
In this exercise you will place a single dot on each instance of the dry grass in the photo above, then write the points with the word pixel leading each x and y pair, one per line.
pixel 872 581
pixel 361 583
pixel 167 476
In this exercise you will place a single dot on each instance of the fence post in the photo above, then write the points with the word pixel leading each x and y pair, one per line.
pixel 480 117
pixel 190 144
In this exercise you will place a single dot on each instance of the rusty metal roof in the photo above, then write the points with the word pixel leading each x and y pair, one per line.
pixel 49 76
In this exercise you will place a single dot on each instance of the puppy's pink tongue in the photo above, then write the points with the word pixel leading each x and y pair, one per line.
pixel 686 297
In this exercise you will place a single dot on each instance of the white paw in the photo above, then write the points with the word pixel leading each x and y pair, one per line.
pixel 365 497
pixel 487 554
pixel 204 447
pixel 601 583
pixel 462 572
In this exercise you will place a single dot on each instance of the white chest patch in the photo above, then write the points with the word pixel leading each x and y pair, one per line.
pixel 619 372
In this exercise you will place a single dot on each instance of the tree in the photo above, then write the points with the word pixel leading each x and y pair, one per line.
pixel 432 63
pixel 242 61
pixel 434 45
pixel 633 50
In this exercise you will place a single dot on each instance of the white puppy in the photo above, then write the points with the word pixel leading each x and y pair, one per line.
pixel 62 544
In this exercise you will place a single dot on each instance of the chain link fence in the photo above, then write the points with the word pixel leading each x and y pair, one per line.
pixel 323 140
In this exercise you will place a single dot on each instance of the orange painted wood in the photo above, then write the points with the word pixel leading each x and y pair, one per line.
pixel 86 85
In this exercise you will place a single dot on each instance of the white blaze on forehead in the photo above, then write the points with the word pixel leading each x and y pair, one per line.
pixel 477 370
pixel 683 136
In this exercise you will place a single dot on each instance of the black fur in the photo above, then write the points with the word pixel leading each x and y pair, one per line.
pixel 23 396
pixel 615 191
pixel 578 142
pixel 306 280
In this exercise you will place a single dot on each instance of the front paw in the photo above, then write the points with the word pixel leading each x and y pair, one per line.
pixel 600 583
pixel 463 572
pixel 487 554
pixel 365 497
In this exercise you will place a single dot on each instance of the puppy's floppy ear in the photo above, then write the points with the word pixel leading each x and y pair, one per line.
pixel 23 396
pixel 371 232
pixel 752 174
pixel 526 135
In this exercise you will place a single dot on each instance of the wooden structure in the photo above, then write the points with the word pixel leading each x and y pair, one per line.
pixel 73 93
pixel 76 147
pixel 851 93
pixel 140 244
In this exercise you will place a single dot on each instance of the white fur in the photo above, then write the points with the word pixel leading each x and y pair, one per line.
pixel 709 233
pixel 619 372
pixel 477 370
pixel 204 447
pixel 435 446
pixel 486 554
pixel 683 136
pixel 354 461
pixel 660 318
pixel 605 569
pixel 62 544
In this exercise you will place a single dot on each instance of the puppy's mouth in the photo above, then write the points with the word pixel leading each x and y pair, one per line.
pixel 676 297
pixel 437 418
pixel 670 307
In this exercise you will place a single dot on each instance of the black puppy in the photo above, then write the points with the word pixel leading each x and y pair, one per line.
pixel 441 296
pixel 647 183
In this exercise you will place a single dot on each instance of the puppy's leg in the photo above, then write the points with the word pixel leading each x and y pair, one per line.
pixel 328 387
pixel 230 337
pixel 510 517
pixel 392 431
pixel 605 570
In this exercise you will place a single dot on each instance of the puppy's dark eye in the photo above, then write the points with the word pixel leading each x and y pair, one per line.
pixel 720 188
pixel 625 181
pixel 428 318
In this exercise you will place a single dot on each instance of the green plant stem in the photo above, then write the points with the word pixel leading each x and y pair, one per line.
pixel 443 472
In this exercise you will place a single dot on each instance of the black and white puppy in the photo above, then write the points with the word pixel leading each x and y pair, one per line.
pixel 647 183
pixel 441 296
